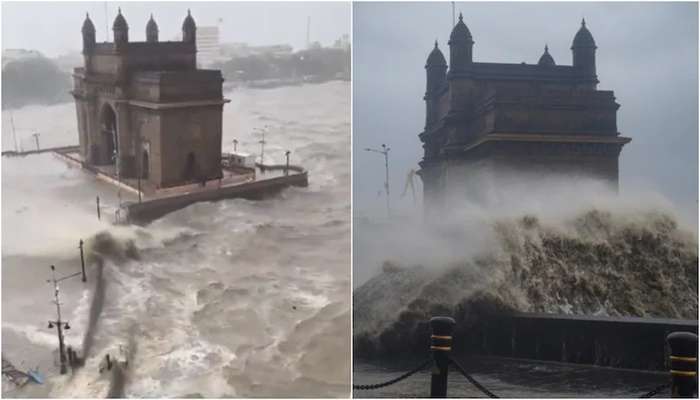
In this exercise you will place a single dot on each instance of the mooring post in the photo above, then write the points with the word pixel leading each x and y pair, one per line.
pixel 36 139
pixel 683 364
pixel 286 170
pixel 71 360
pixel 82 260
pixel 441 346
pixel 98 207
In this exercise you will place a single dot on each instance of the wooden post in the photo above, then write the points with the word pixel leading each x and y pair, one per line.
pixel 98 207
pixel 441 346
pixel 684 364
pixel 82 260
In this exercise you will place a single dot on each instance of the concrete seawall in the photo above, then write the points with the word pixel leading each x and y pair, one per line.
pixel 620 342
pixel 149 210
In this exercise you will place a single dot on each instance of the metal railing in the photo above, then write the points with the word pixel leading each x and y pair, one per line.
pixel 683 364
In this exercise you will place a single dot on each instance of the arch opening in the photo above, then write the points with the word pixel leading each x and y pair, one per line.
pixel 191 170
pixel 110 138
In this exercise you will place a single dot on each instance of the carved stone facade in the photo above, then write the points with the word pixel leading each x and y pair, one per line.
pixel 145 107
pixel 493 120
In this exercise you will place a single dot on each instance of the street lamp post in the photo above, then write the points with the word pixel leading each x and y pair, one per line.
pixel 58 323
pixel 385 152
pixel 235 145
pixel 262 143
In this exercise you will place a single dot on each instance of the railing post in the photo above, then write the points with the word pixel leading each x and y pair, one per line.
pixel 440 345
pixel 684 364
pixel 82 260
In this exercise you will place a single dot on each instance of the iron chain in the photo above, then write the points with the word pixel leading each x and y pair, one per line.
pixel 656 391
pixel 472 380
pixel 395 380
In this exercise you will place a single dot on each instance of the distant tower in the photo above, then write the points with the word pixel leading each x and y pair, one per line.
pixel 151 30
pixel 88 35
pixel 461 45
pixel 120 29
pixel 436 70
pixel 546 59
pixel 308 32
pixel 189 29
pixel 583 49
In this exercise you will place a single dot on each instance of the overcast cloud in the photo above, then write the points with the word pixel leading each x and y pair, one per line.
pixel 647 53
pixel 54 27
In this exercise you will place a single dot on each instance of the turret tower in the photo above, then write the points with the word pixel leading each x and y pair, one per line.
pixel 189 29
pixel 436 71
pixel 583 49
pixel 461 45
pixel 120 29
pixel 151 30
pixel 88 35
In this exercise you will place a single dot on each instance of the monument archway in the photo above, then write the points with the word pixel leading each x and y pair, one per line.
pixel 110 138
pixel 191 173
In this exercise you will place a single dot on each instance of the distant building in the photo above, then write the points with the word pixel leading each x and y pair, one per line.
pixel 208 50
pixel 494 120
pixel 145 106
pixel 343 42
pixel 9 55
pixel 237 50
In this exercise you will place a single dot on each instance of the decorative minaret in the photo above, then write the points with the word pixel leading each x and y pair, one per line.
pixel 189 29
pixel 151 31
pixel 583 49
pixel 121 29
pixel 436 71
pixel 546 59
pixel 88 35
pixel 461 45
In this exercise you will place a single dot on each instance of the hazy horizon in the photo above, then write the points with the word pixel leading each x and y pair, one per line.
pixel 55 26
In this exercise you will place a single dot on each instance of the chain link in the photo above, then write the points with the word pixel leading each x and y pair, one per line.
pixel 472 380
pixel 395 380
pixel 656 391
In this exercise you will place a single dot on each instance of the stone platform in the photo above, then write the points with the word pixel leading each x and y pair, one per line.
pixel 156 202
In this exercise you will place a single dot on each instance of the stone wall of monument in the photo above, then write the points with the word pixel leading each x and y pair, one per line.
pixel 193 145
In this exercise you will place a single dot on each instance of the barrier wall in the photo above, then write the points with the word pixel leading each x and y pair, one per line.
pixel 149 210
pixel 621 342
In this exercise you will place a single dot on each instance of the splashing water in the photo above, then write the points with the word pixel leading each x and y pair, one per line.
pixel 229 298
pixel 604 259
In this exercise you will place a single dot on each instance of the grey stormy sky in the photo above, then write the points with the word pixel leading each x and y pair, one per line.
pixel 54 27
pixel 647 53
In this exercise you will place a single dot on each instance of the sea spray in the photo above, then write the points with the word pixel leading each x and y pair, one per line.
pixel 595 262
pixel 102 248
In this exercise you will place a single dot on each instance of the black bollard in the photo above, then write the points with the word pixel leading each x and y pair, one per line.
pixel 440 345
pixel 82 261
pixel 684 364
pixel 71 360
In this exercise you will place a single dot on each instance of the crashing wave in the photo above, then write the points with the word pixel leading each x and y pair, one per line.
pixel 597 263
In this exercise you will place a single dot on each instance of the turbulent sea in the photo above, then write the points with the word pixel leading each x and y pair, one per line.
pixel 564 253
pixel 229 298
